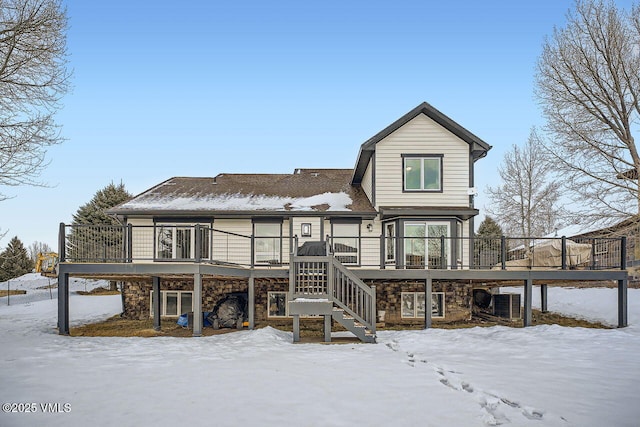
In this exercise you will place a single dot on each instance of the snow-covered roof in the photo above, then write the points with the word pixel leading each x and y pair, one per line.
pixel 311 190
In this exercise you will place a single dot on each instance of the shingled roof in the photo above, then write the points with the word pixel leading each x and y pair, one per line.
pixel 304 191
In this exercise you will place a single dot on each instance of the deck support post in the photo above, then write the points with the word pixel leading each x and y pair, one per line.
pixel 63 301
pixel 296 328
pixel 622 286
pixel 427 302
pixel 157 297
pixel 252 302
pixel 622 304
pixel 327 327
pixel 197 305
pixel 543 298
pixel 528 288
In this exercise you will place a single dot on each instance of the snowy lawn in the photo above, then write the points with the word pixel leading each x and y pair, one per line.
pixel 538 376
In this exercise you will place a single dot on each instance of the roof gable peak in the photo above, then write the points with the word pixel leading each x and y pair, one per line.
pixel 478 147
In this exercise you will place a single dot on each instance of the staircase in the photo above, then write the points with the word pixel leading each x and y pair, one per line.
pixel 321 285
pixel 356 328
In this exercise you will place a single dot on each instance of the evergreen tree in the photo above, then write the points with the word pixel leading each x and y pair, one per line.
pixel 95 211
pixel 489 228
pixel 487 243
pixel 95 235
pixel 14 260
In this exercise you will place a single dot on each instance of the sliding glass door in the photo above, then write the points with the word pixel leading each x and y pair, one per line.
pixel 423 244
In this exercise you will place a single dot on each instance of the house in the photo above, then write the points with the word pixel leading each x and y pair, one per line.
pixel 397 228
pixel 604 242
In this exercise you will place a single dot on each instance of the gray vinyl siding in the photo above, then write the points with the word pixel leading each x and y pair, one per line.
pixel 422 135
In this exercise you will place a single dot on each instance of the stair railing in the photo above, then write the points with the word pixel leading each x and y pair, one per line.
pixel 325 277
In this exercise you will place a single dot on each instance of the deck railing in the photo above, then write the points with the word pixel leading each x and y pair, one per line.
pixel 199 243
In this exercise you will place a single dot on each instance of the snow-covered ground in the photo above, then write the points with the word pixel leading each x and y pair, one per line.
pixel 39 287
pixel 538 376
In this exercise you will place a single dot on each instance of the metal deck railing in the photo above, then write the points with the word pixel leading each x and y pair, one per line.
pixel 198 243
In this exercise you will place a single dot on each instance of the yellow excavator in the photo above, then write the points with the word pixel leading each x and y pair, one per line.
pixel 46 264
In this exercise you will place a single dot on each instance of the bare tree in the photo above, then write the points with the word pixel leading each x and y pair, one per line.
pixel 588 84
pixel 525 204
pixel 33 78
pixel 37 247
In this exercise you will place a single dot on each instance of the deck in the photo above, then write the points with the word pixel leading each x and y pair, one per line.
pixel 108 252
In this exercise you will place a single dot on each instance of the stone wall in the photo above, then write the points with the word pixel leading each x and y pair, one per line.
pixel 458 297
pixel 137 301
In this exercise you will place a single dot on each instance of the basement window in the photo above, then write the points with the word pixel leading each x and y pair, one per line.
pixel 413 305
pixel 277 304
pixel 173 303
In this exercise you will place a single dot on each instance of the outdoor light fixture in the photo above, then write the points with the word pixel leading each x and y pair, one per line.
pixel 370 227
pixel 305 229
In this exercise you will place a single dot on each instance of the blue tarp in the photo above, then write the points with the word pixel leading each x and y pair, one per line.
pixel 183 320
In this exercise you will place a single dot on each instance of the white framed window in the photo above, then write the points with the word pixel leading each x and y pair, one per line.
pixel 413 305
pixel 277 304
pixel 422 172
pixel 268 238
pixel 172 303
pixel 345 242
pixel 178 241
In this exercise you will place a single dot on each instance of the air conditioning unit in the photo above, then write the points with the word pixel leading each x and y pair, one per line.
pixel 507 306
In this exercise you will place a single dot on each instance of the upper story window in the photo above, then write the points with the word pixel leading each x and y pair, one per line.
pixel 422 172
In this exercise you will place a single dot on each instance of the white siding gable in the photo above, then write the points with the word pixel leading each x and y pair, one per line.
pixel 421 135
pixel 367 181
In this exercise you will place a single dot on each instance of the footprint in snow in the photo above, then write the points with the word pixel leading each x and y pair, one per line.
pixel 532 414
pixel 493 416
pixel 446 382
pixel 510 403
pixel 467 387
pixel 392 345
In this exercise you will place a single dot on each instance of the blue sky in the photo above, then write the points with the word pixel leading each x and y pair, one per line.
pixel 166 89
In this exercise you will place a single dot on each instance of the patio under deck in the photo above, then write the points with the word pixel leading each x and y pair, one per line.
pixel 197 271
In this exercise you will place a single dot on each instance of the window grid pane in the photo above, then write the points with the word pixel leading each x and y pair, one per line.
pixel 431 174
pixel 408 305
pixel 165 242
pixel 183 243
pixel 345 247
pixel 412 172
pixel 186 302
pixel 277 304
pixel 267 243
pixel 172 304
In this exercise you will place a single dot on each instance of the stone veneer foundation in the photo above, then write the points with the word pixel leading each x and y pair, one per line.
pixel 458 297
